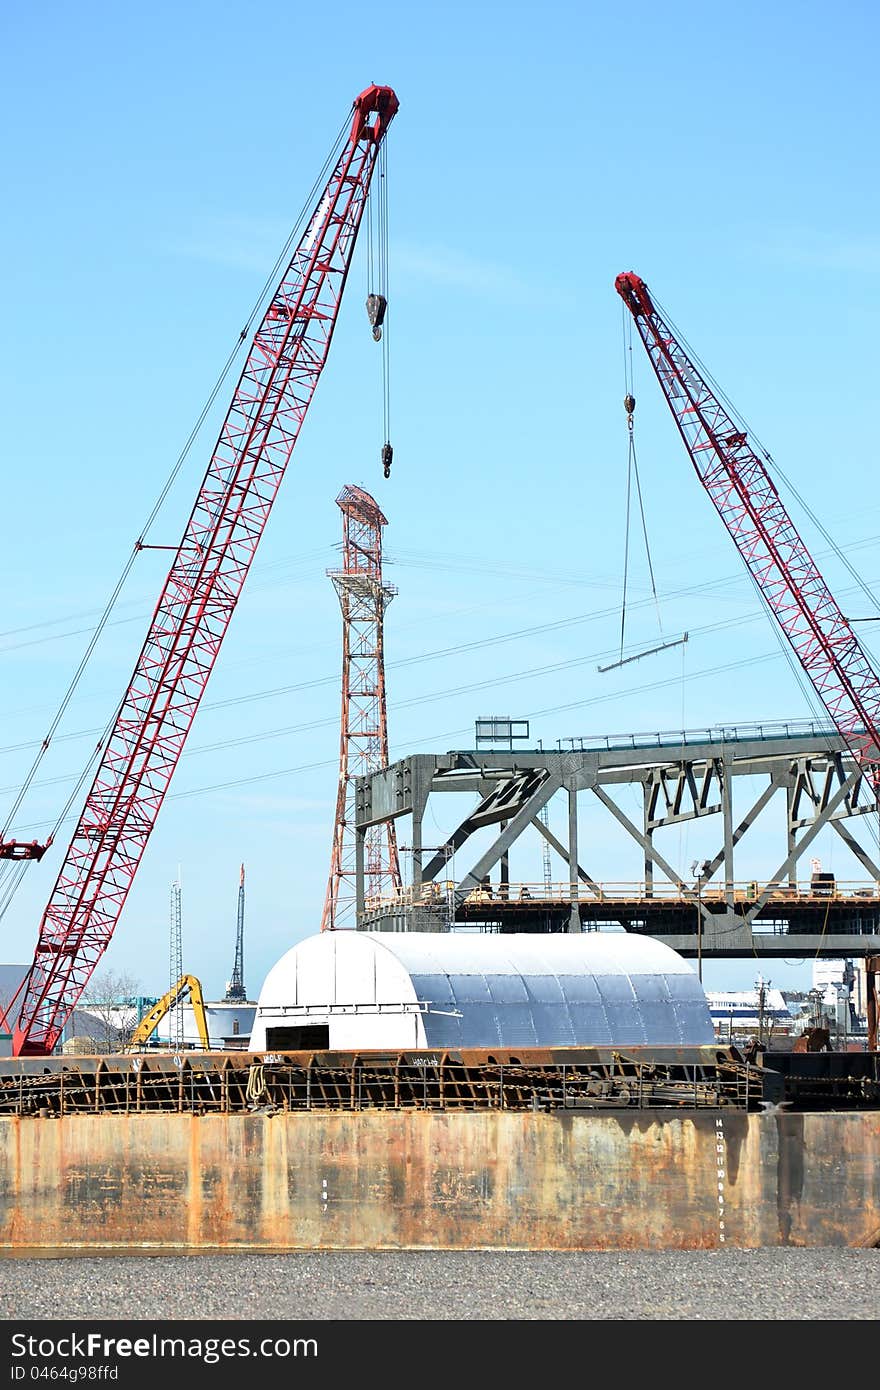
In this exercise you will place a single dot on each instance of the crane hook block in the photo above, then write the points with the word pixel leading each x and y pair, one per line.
pixel 376 306
pixel 629 404
pixel 387 456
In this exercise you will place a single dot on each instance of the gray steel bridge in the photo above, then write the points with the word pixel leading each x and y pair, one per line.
pixel 803 770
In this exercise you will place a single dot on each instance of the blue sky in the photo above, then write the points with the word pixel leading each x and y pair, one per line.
pixel 155 160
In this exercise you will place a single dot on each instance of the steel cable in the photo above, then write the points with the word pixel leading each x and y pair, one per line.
pixel 140 544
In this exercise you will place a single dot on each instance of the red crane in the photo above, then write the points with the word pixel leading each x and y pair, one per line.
pixel 750 507
pixel 268 407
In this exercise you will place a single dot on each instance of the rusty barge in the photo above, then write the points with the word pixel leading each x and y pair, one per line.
pixel 543 1149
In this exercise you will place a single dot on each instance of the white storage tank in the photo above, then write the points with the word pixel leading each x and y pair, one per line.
pixel 358 991
pixel 229 1026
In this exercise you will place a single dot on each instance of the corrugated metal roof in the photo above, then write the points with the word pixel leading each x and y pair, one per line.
pixel 532 953
pixel 551 989
pixel 538 990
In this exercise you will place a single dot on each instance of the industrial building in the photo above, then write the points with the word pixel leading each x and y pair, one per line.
pixel 229 1026
pixel 11 977
pixel 760 1011
pixel 109 1028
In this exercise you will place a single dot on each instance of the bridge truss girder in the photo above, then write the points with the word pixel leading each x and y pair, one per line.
pixel 691 779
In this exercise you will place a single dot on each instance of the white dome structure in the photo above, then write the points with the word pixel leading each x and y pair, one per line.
pixel 359 991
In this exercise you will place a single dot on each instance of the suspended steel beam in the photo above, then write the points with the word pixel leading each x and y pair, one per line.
pixel 649 651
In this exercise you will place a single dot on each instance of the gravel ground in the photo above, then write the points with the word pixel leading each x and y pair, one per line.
pixel 771 1284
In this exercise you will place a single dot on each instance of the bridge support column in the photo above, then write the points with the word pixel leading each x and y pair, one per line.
pixel 574 917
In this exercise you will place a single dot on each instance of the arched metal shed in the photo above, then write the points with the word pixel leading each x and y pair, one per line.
pixel 351 990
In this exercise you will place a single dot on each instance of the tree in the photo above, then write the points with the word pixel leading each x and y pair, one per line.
pixel 112 1003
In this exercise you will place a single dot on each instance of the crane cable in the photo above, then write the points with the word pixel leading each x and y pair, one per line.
pixel 632 472
pixel 806 687
pixel 377 296
pixel 772 466
pixel 11 874
pixel 387 452
pixel 141 542
pixel 794 664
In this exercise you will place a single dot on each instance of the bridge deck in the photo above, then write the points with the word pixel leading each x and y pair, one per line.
pixel 795 920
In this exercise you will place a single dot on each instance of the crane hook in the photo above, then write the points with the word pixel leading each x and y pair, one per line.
pixel 387 456
pixel 376 306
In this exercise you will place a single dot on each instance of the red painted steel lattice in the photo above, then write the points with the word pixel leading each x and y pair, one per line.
pixel 363 744
pixel 193 612
pixel 750 507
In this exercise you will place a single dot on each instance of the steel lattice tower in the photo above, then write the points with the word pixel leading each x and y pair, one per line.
pixel 175 1024
pixel 235 988
pixel 363 745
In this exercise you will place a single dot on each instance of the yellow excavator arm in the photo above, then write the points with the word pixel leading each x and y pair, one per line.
pixel 186 985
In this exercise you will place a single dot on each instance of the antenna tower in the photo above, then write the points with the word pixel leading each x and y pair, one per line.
pixel 363 748
pixel 235 990
pixel 175 1022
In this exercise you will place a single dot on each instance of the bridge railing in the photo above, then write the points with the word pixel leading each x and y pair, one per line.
pixel 727 733
pixel 437 893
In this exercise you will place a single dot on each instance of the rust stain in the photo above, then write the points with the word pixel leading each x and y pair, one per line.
pixel 736 1128
pixel 447 1180
pixel 194 1185
pixel 790 1172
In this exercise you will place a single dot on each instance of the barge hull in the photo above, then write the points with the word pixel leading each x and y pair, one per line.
pixel 651 1179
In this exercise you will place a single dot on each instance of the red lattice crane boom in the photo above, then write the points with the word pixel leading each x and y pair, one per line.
pixel 750 507
pixel 192 615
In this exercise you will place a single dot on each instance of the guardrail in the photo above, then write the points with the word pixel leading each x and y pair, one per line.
pixel 436 894
pixel 718 733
